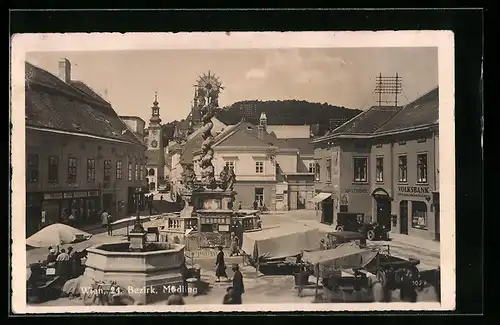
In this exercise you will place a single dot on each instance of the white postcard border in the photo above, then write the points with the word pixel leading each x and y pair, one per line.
pixel 443 40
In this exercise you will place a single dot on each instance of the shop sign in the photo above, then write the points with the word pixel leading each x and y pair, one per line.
pixel 67 195
pixel 356 190
pixel 52 196
pixel 422 191
pixel 93 193
pixel 80 194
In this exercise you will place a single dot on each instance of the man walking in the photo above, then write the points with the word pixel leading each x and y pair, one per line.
pixel 109 225
pixel 104 218
pixel 238 287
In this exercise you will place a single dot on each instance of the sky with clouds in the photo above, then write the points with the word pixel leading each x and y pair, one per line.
pixel 338 76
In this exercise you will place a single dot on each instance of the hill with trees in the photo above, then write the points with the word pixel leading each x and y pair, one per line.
pixel 289 112
pixel 322 117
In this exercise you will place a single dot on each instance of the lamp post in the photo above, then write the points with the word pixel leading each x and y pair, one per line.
pixel 137 224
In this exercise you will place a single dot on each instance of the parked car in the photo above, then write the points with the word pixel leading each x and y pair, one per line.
pixel 355 222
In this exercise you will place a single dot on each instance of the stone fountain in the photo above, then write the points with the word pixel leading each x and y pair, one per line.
pixel 147 270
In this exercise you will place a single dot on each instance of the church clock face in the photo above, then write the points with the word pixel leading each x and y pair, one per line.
pixel 154 143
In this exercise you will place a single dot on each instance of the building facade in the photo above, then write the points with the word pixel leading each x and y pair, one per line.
pixel 384 163
pixel 78 162
pixel 155 153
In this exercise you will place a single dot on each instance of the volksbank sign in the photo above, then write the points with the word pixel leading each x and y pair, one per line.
pixel 414 190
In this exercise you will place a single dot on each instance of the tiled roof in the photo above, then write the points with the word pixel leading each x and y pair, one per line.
pixel 51 103
pixel 251 130
pixel 421 112
pixel 366 122
pixel 304 146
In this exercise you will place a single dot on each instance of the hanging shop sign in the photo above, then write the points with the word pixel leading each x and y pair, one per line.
pixel 422 191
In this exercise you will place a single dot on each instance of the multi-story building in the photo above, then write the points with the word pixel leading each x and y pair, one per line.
pixel 80 156
pixel 266 167
pixel 384 163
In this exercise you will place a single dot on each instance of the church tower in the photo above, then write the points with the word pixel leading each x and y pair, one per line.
pixel 155 153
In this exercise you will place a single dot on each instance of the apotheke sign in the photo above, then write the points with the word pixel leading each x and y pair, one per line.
pixel 414 191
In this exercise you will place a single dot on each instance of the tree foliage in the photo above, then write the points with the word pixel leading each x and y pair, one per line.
pixel 290 112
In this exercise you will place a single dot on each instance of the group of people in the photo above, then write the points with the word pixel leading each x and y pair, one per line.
pixel 234 292
pixel 68 264
pixel 259 205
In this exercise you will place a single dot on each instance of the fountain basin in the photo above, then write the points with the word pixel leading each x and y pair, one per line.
pixel 146 275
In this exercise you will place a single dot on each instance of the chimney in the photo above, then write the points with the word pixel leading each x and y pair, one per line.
pixel 65 70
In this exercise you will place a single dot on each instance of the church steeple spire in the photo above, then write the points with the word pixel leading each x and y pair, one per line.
pixel 155 112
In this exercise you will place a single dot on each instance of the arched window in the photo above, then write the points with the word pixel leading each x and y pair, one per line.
pixel 152 186
pixel 151 172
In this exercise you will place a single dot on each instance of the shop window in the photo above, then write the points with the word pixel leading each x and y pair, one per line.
pixel 90 170
pixel 317 174
pixel 343 208
pixel 72 162
pixel 422 168
pixel 151 172
pixel 53 173
pixel 328 170
pixel 403 169
pixel 379 169
pixel 419 215
pixel 129 171
pixel 32 171
pixel 136 172
pixel 259 167
pixel 107 170
pixel 119 170
pixel 360 169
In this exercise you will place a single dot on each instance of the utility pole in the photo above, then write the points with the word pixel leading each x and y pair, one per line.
pixel 388 85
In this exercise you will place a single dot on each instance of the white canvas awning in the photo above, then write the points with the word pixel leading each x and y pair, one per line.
pixel 321 197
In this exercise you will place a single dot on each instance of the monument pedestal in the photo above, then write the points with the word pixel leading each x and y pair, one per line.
pixel 137 241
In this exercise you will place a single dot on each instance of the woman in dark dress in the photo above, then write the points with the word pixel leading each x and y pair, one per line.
pixel 221 265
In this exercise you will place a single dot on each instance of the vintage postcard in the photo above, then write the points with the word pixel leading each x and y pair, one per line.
pixel 190 172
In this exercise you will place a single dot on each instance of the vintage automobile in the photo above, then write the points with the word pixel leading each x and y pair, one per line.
pixel 340 237
pixel 351 221
pixel 270 250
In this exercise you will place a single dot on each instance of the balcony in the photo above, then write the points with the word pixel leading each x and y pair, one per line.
pixel 179 224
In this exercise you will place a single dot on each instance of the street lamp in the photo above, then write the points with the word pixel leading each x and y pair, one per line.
pixel 137 224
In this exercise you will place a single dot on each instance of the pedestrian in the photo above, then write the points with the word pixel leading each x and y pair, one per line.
pixel 221 265
pixel 322 245
pixel 62 264
pixel 255 205
pixel 150 205
pixel 238 287
pixel 228 297
pixel 161 197
pixel 175 299
pixel 235 249
pixel 104 218
pixel 51 257
pixel 261 205
pixel 109 225
pixel 239 206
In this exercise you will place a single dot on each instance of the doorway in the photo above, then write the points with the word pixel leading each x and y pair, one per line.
pixel 327 215
pixel 384 212
pixel 107 202
pixel 403 213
